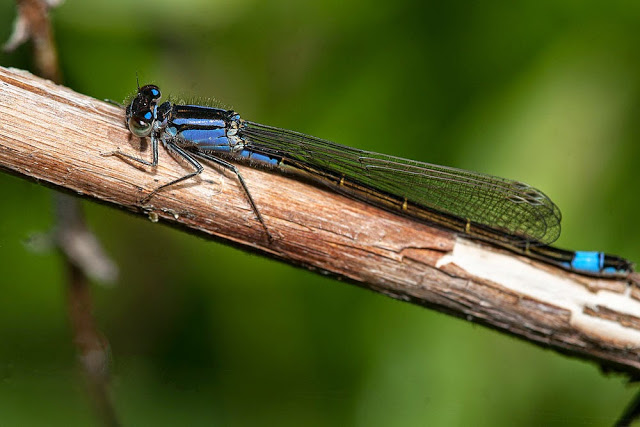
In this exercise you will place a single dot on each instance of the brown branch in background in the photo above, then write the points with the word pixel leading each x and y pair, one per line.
pixel 32 23
pixel 81 250
pixel 55 136
pixel 631 413
pixel 93 347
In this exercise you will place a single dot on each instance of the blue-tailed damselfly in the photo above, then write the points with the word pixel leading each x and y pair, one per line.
pixel 507 213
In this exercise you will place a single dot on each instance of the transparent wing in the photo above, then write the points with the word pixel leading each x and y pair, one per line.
pixel 502 204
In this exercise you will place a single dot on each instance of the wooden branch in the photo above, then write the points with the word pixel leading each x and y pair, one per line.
pixel 53 135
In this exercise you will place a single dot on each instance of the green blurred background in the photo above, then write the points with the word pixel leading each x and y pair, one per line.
pixel 543 91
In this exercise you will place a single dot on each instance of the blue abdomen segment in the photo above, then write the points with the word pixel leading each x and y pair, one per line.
pixel 599 263
pixel 589 261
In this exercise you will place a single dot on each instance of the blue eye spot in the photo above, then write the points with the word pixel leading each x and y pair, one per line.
pixel 147 115
pixel 155 92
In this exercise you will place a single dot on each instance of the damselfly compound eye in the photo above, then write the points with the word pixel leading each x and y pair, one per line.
pixel 140 128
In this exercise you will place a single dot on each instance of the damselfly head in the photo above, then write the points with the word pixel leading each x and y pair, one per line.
pixel 140 110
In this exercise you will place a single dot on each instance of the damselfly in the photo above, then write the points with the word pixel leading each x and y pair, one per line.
pixel 507 213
